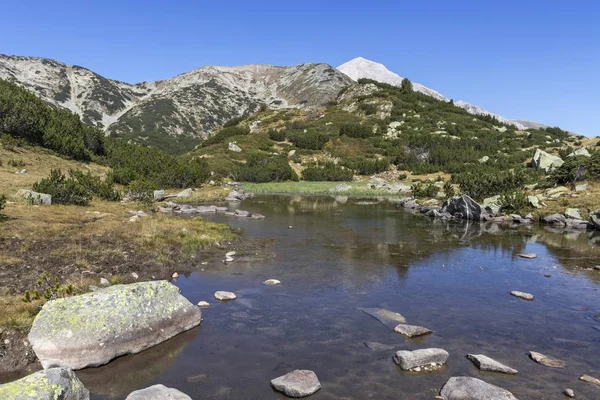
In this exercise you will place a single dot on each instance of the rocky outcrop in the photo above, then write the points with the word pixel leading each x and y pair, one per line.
pixel 418 358
pixel 467 388
pixel 464 207
pixel 158 392
pixel 49 384
pixel 94 328
pixel 545 161
pixel 486 363
pixel 298 383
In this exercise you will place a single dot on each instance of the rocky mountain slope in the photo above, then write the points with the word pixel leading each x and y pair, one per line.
pixel 360 67
pixel 175 114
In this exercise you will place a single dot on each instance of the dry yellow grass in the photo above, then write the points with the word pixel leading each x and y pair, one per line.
pixel 38 163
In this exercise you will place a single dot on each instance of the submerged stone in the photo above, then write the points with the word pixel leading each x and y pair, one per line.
pixel 590 379
pixel 547 361
pixel 522 295
pixel 376 346
pixel 467 388
pixel 94 328
pixel 49 384
pixel 225 296
pixel 486 363
pixel 412 330
pixel 299 383
pixel 271 282
pixel 386 317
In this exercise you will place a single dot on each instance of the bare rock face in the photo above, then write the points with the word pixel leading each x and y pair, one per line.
pixel 91 329
pixel 467 388
pixel 299 383
pixel 420 358
pixel 486 363
pixel 547 361
pixel 49 384
pixel 158 392
pixel 411 330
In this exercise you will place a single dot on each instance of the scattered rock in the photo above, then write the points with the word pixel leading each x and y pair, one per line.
pixel 419 358
pixel 225 296
pixel 486 363
pixel 376 346
pixel 175 275
pixel 158 392
pixel 467 388
pixel 597 267
pixel 299 383
pixel 572 213
pixel 135 276
pixel 484 159
pixel 104 282
pixel 49 384
pixel 35 197
pixel 159 195
pixel 342 187
pixel 230 254
pixel 533 201
pixel 555 219
pixel 203 304
pixel 580 152
pixel 242 213
pixel 386 317
pixel 544 360
pixel 522 295
pixel 271 282
pixel 590 379
pixel 411 330
pixel 546 162
pixel 569 393
pixel 93 328
pixel 234 147
pixel 581 188
pixel 185 193
pixel 528 255
pixel 464 207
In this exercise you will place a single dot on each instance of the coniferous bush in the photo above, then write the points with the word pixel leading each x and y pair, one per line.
pixel 480 185
pixel 265 168
pixel 2 202
pixel 310 140
pixel 356 130
pixel 327 172
pixel 63 189
pixel 276 135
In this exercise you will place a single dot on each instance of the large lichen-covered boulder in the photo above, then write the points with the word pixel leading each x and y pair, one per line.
pixel 50 384
pixel 94 328
pixel 545 161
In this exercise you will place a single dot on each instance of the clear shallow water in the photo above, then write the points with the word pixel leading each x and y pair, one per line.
pixel 452 278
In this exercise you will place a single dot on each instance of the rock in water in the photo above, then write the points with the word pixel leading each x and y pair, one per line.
pixel 91 329
pixel 419 358
pixel 225 296
pixel 467 388
pixel 299 383
pixel 386 317
pixel 271 282
pixel 569 393
pixel 203 304
pixel 158 392
pixel 590 379
pixel 522 295
pixel 411 330
pixel 376 346
pixel 528 255
pixel 544 360
pixel 49 384
pixel 464 207
pixel 485 363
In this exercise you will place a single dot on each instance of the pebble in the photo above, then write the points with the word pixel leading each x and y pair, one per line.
pixel 175 275
pixel 134 275
pixel 569 393
pixel 271 282
pixel 104 282
pixel 230 254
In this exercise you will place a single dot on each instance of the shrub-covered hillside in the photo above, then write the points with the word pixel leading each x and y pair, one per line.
pixel 374 127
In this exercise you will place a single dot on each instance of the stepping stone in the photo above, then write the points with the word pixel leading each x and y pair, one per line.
pixel 203 304
pixel 376 346
pixel 486 363
pixel 467 388
pixel 590 379
pixel 271 282
pixel 225 296
pixel 386 317
pixel 522 295
pixel 299 383
pixel 530 255
pixel 420 358
pixel 548 362
pixel 411 330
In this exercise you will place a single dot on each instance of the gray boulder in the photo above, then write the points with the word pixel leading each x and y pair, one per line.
pixel 486 363
pixel 464 207
pixel 522 295
pixel 555 219
pixel 467 388
pixel 580 152
pixel 342 187
pixel 158 392
pixel 533 201
pixel 298 383
pixel 159 195
pixel 35 197
pixel 49 384
pixel 546 162
pixel 185 193
pixel 225 296
pixel 581 188
pixel 419 358
pixel 595 220
pixel 234 147
pixel 91 329
pixel 547 361
pixel 412 330
pixel 572 213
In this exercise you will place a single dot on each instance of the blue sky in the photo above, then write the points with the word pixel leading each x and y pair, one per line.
pixel 535 60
